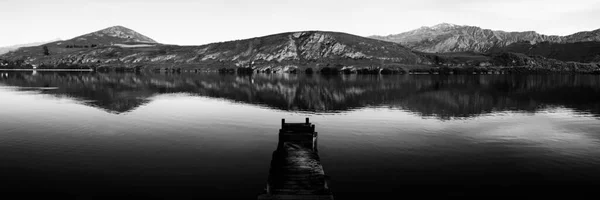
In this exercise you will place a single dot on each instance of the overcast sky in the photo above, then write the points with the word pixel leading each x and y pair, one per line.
pixel 193 22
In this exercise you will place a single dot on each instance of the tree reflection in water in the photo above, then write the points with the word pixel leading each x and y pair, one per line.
pixel 443 97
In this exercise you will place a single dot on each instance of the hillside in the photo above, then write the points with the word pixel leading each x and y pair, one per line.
pixel 116 35
pixel 7 49
pixel 294 48
pixel 577 52
pixel 446 37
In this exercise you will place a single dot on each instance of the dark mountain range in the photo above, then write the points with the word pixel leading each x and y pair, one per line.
pixel 122 48
pixel 118 45
pixel 446 37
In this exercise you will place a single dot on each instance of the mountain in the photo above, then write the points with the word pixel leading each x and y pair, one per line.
pixel 121 46
pixel 111 36
pixel 584 36
pixel 447 37
pixel 7 49
pixel 108 36
pixel 118 48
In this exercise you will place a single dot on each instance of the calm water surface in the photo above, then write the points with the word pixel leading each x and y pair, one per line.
pixel 186 136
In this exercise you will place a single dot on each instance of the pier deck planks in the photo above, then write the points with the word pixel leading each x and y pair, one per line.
pixel 296 171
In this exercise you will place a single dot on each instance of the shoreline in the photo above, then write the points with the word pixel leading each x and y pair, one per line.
pixel 58 70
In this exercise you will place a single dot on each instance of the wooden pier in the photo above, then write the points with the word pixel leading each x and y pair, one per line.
pixel 296 171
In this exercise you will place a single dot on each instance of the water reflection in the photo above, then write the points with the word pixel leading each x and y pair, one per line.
pixel 509 134
pixel 444 97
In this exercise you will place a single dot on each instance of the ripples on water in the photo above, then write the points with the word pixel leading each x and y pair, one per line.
pixel 89 135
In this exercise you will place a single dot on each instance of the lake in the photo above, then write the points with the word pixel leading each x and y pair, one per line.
pixel 86 135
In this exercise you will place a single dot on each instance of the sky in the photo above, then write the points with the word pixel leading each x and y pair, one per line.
pixel 195 22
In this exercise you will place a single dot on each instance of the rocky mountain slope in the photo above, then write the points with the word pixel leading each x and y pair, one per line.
pixel 446 37
pixel 297 48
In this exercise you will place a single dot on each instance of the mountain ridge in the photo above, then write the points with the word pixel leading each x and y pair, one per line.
pixel 298 48
pixel 445 37
pixel 120 47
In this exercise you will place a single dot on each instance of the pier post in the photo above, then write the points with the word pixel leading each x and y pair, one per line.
pixel 315 139
pixel 307 121
pixel 268 188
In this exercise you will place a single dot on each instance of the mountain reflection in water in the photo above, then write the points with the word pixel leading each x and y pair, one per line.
pixel 444 97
